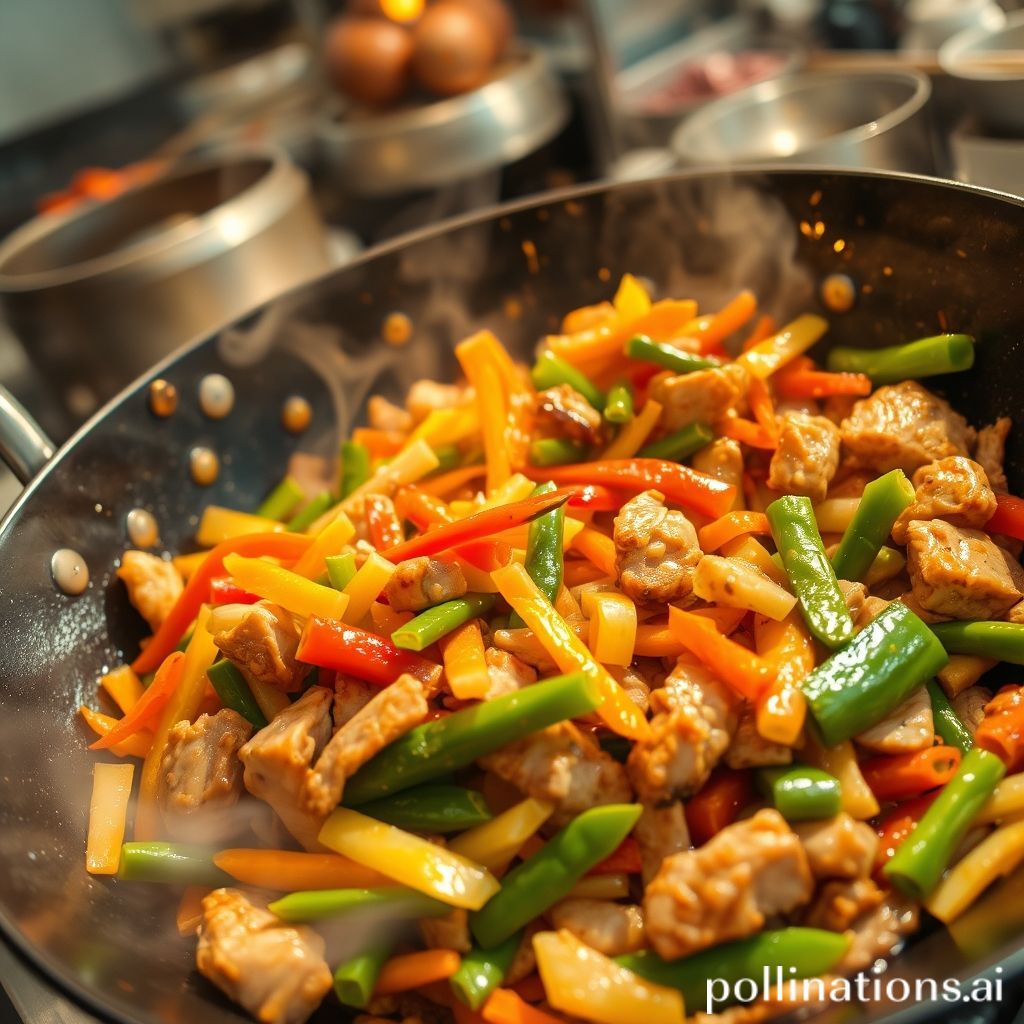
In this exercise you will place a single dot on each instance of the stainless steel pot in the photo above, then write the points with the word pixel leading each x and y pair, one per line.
pixel 100 295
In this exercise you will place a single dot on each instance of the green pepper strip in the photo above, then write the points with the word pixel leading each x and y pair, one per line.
pixel 803 557
pixel 355 467
pixel 322 904
pixel 1001 640
pixel 483 970
pixel 234 692
pixel 457 740
pixel 448 457
pixel 428 627
pixel 618 407
pixel 355 979
pixel 876 671
pixel 281 501
pixel 432 808
pixel 341 569
pixel 679 445
pixel 172 863
pixel 310 512
pixel 801 793
pixel 643 348
pixel 943 353
pixel 556 451
pixel 544 562
pixel 947 722
pixel 880 505
pixel 549 371
pixel 917 865
pixel 546 877
pixel 791 952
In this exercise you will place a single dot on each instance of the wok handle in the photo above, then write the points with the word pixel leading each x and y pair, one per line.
pixel 24 445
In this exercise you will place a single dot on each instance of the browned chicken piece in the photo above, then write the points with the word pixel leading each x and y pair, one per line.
pixel 524 963
pixel 849 483
pixel 749 749
pixel 990 452
pixel 427 396
pixel 807 457
pixel 385 415
pixel 419 583
pixel 611 928
pixel 563 412
pixel 1015 614
pixel 727 888
pixel 855 594
pixel 957 572
pixel 840 902
pixel 838 847
pixel 637 688
pixel 560 764
pixel 660 832
pixel 656 550
pixel 275 970
pixel 201 775
pixel 969 706
pixel 263 647
pixel 278 758
pixel 706 396
pixel 351 695
pixel 722 459
pixel 878 932
pixel 872 606
pixel 390 714
pixel 523 643
pixel 903 426
pixel 695 717
pixel 448 932
pixel 506 673
pixel 153 585
pixel 908 727
pixel 955 489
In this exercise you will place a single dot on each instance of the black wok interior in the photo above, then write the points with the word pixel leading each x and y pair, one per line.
pixel 925 256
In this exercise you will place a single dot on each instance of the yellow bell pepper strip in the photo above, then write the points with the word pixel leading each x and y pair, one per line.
pixel 108 812
pixel 465 666
pixel 409 860
pixel 631 299
pixel 566 649
pixel 123 687
pixel 295 871
pixel 282 501
pixel 443 427
pixel 496 842
pixel 584 983
pixel 781 708
pixel 299 595
pixel 596 547
pixel 750 550
pixel 775 352
pixel 632 437
pixel 329 541
pixel 612 626
pixel 219 524
pixel 135 746
pixel 1006 801
pixel 601 887
pixel 188 564
pixel 840 761
pixel 365 587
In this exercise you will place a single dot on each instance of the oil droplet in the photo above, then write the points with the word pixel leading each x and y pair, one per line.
pixel 204 465
pixel 296 414
pixel 397 329
pixel 69 571
pixel 142 529
pixel 604 274
pixel 530 252
pixel 839 245
pixel 216 396
pixel 163 398
pixel 838 292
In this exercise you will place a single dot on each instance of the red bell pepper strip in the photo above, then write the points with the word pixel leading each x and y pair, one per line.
pixel 481 524
pixel 897 825
pixel 1008 517
pixel 224 590
pixel 421 509
pixel 381 522
pixel 594 498
pixel 286 546
pixel 624 859
pixel 902 776
pixel 485 555
pixel 717 804
pixel 680 485
pixel 366 656
pixel 149 706
pixel 1002 729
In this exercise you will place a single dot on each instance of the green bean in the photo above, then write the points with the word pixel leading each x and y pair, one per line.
pixel 323 904
pixel 432 808
pixel 549 372
pixel 355 979
pixel 888 563
pixel 234 692
pixel 947 722
pixel 556 451
pixel 943 353
pixel 310 512
pixel 801 793
pixel 821 601
pixel 680 445
pixel 675 359
pixel 355 467
pixel 483 970
pixel 281 501
pixel 880 505
pixel 917 865
pixel 428 627
pixel 341 569
pixel 1001 640
pixel 448 457
pixel 618 407
pixel 873 674
pixel 171 863
pixel 544 562
pixel 538 883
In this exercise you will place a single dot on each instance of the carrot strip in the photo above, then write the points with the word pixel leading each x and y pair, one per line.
pixel 135 746
pixel 190 909
pixel 381 522
pixel 746 432
pixel 452 481
pixel 901 776
pixel 759 398
pixel 764 327
pixel 802 379
pixel 421 508
pixel 578 572
pixel 149 706
pixel 410 970
pixel 730 526
pixel 294 871
pixel 597 547
pixel 1002 729
pixel 505 1007
pixel 382 444
pixel 464 662
pixel 624 859
pixel 713 330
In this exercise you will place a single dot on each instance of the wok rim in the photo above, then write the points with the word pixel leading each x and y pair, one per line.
pixel 37 960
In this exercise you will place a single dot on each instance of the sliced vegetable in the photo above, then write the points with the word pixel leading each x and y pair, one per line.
pixel 556 451
pixel 544 560
pixel 495 843
pixel 169 863
pixel 1006 800
pixel 675 359
pixel 679 445
pixel 219 524
pixel 288 589
pixel 947 722
pixel 1003 641
pixel 483 970
pixel 601 887
pixel 733 583
pixel 711 331
pixel 598 547
pixel 413 970
pixel 234 692
pixel 136 745
pixel 310 512
pixel 429 626
pixel 280 503
pixel 880 505
pixel 800 793
pixel 435 809
pixel 1002 728
pixel 730 526
pixel 294 871
pixel 508 1007
pixel 340 570
pixel 770 355
pixel 108 813
pixel 355 979
pixel 1008 517
pixel 780 710
pixel 901 776
pixel 801 379
pixel 366 585
pixel 381 522
pixel 717 804
pixel 897 825
pixel 633 435
pixel 840 760
pixel 355 467
pixel 326 904
pixel 147 709
pixel 465 666
pixel 612 626
pixel 618 406
pixel 943 353
pixel 331 537
pixel 354 651
pixel 549 371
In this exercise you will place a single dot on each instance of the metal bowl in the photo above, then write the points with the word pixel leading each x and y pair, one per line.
pixel 995 94
pixel 869 120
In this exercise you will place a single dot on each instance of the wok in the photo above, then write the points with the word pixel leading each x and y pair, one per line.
pixel 924 255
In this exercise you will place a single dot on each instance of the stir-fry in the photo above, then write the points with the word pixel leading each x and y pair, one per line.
pixel 663 659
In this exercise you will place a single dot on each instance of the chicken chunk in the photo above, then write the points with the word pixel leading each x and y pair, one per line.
pixel 427 396
pixel 872 607
pixel 611 928
pixel 561 765
pixel 695 717
pixel 563 412
pixel 637 688
pixel 276 971
pixel 263 646
pixel 955 489
pixel 705 396
pixel 727 888
pixel 278 758
pixel 990 452
pixel 903 426
pixel 660 832
pixel 201 775
pixel 390 714
pixel 351 695
pixel 969 706
pixel 841 902
pixel 957 572
pixel 656 550
pixel 908 727
pixel 506 673
pixel 838 847
pixel 855 594
pixel 807 457
pixel 722 459
pixel 879 932
pixel 749 749
pixel 524 644
pixel 448 932
pixel 385 415
pixel 418 583
pixel 153 585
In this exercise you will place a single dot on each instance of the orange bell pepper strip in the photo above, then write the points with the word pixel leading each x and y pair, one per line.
pixel 730 526
pixel 1008 517
pixel 901 776
pixel 717 804
pixel 711 331
pixel 286 546
pixel 802 379
pixel 504 1006
pixel 295 871
pixel 1002 729
pixel 422 509
pixel 597 547
pixel 764 327
pixel 146 712
pixel 381 444
pixel 780 711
